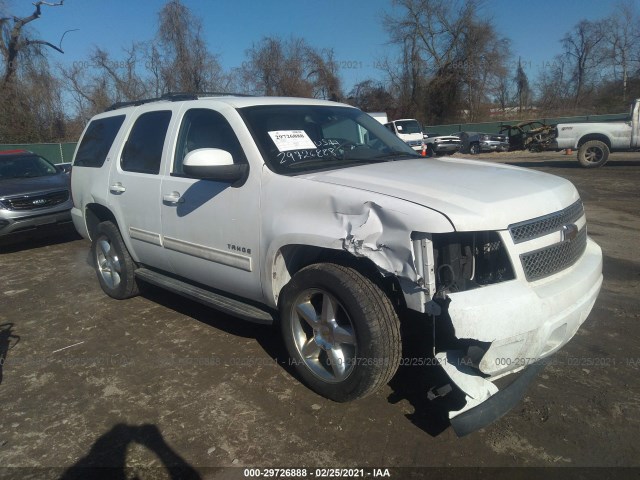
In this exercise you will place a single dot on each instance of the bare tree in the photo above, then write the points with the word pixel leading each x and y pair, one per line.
pixel 177 61
pixel 584 53
pixel 451 57
pixel 291 67
pixel 483 55
pixel 187 64
pixel 371 96
pixel 502 91
pixel 622 33
pixel 16 43
pixel 30 100
pixel 555 86
pixel 523 91
pixel 101 81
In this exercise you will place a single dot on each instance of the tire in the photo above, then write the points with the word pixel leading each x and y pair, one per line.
pixel 114 266
pixel 341 331
pixel 593 154
pixel 430 152
pixel 474 149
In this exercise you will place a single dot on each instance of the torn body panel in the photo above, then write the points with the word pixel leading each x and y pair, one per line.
pixel 330 217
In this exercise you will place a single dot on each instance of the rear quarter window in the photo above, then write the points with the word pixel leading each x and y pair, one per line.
pixel 97 141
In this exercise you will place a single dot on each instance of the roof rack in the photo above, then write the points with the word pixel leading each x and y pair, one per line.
pixel 174 97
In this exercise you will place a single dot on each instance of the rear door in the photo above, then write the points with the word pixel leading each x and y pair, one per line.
pixel 134 186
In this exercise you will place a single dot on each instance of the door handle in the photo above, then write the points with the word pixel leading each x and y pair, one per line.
pixel 173 198
pixel 117 188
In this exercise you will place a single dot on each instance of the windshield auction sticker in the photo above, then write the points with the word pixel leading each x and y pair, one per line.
pixel 287 140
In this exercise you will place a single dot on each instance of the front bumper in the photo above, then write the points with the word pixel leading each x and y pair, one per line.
pixel 446 147
pixel 496 405
pixel 494 146
pixel 33 220
pixel 522 323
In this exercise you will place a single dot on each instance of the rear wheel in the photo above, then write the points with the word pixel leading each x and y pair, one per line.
pixel 593 154
pixel 114 266
pixel 474 149
pixel 341 331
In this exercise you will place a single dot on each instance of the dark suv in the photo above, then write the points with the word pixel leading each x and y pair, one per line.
pixel 475 143
pixel 34 193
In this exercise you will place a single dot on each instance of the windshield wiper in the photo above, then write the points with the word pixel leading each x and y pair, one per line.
pixel 396 153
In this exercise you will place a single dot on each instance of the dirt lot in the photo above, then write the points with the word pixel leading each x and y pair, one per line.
pixel 158 380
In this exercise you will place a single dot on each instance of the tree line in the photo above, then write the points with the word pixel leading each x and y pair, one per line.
pixel 450 64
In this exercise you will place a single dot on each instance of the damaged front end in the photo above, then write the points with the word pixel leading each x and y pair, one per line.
pixel 501 303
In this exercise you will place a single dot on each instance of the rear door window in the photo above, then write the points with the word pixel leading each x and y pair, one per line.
pixel 143 151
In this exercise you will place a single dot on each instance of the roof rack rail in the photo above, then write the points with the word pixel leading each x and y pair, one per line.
pixel 174 97
pixel 136 103
pixel 196 95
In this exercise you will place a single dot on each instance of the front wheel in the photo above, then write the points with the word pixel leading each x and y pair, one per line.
pixel 593 154
pixel 341 331
pixel 430 151
pixel 114 266
pixel 475 149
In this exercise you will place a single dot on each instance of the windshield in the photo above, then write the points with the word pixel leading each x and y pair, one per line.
pixel 25 166
pixel 301 138
pixel 407 127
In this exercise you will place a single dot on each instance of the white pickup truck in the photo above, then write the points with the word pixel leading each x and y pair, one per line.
pixel 312 215
pixel 594 141
pixel 409 131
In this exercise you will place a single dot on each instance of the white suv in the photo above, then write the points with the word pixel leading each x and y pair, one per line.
pixel 313 214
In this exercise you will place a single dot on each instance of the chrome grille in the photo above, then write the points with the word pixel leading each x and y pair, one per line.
pixel 549 260
pixel 537 227
pixel 32 202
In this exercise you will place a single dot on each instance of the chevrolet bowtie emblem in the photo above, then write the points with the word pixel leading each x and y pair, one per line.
pixel 569 232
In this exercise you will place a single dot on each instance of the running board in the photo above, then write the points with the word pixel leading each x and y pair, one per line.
pixel 218 301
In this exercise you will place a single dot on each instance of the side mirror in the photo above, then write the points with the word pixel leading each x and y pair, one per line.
pixel 213 164
pixel 63 167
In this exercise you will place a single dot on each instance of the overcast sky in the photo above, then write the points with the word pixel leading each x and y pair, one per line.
pixel 352 28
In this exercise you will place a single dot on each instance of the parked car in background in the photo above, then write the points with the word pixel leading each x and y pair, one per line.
pixel 441 144
pixel 409 131
pixel 475 142
pixel 34 193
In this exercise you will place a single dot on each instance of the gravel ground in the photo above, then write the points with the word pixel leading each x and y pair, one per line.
pixel 158 380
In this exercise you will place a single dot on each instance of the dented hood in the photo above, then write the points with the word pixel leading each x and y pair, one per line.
pixel 473 195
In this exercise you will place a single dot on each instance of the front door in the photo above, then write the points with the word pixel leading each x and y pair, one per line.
pixel 211 228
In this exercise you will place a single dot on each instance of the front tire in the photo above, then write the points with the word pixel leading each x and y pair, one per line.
pixel 341 331
pixel 593 154
pixel 114 266
pixel 430 151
